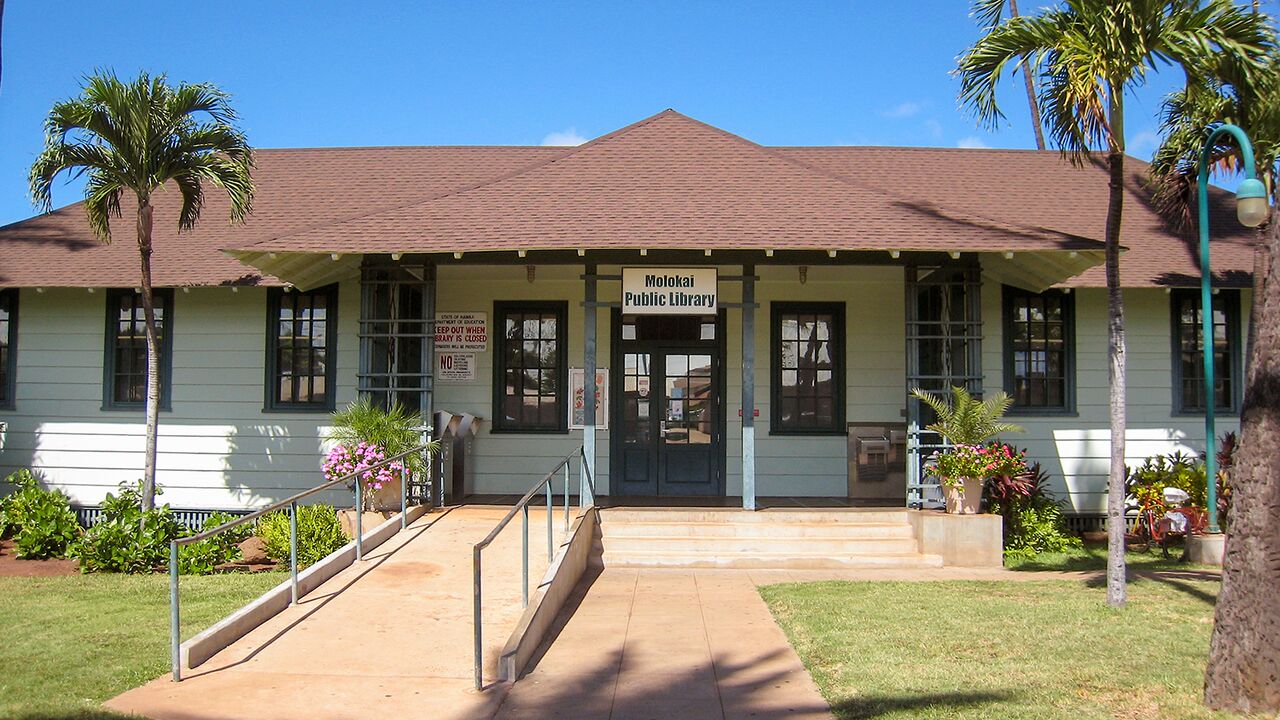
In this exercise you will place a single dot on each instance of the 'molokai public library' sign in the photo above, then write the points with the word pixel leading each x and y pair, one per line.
pixel 668 291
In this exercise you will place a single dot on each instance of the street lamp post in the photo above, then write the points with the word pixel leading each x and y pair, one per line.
pixel 1251 210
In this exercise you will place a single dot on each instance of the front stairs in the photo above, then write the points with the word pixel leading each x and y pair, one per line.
pixel 765 539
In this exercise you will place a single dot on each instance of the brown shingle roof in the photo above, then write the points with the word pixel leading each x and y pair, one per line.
pixel 665 182
pixel 673 182
pixel 296 189
pixel 1040 189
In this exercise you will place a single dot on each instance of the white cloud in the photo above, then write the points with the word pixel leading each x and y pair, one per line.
pixel 971 142
pixel 564 137
pixel 934 128
pixel 1143 144
pixel 903 110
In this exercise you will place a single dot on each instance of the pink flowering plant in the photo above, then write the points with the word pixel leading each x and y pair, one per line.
pixel 976 461
pixel 344 460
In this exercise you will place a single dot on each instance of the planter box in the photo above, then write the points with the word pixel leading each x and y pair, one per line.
pixel 368 521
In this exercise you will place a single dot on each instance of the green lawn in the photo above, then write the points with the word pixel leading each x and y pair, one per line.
pixel 1093 556
pixel 69 643
pixel 1001 650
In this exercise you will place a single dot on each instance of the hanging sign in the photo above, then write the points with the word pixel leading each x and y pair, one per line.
pixel 455 367
pixel 462 332
pixel 668 291
pixel 578 393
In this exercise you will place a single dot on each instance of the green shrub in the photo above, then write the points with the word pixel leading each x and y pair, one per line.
pixel 1176 470
pixel 203 557
pixel 319 533
pixel 42 520
pixel 126 539
pixel 1033 519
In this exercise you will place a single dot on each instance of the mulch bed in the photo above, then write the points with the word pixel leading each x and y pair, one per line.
pixel 12 566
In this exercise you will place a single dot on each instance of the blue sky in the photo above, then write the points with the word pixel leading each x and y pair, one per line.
pixel 418 73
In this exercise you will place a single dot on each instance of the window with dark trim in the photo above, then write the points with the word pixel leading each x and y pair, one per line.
pixel 808 368
pixel 1188 352
pixel 125 365
pixel 8 346
pixel 1039 351
pixel 301 349
pixel 531 376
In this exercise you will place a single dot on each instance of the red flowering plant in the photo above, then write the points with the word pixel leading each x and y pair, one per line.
pixel 344 460
pixel 952 466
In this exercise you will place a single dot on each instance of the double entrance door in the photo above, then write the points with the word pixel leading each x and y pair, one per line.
pixel 669 404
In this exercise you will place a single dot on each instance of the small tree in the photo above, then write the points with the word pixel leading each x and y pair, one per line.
pixel 965 420
pixel 138 137
pixel 1091 52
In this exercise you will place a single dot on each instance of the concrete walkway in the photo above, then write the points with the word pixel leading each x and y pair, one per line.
pixel 657 644
pixel 389 636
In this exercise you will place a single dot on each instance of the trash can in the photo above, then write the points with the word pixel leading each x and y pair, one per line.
pixel 456 433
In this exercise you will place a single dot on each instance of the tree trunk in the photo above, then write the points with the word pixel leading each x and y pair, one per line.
pixel 1244 655
pixel 1031 89
pixel 1116 580
pixel 145 212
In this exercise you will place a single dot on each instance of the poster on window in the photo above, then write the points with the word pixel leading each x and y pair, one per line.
pixel 577 393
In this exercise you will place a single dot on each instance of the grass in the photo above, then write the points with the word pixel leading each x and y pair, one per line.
pixel 1037 650
pixel 69 643
pixel 1093 556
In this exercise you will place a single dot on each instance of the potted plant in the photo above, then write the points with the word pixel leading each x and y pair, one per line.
pixel 366 435
pixel 966 424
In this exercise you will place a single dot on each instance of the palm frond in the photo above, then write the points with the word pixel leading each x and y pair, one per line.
pixel 963 420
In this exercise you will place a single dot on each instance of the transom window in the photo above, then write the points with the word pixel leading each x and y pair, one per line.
pixel 808 368
pixel 8 345
pixel 301 341
pixel 1039 350
pixel 531 380
pixel 125 367
pixel 1188 351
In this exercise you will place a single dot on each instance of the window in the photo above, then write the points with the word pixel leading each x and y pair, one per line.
pixel 301 342
pixel 808 368
pixel 125 365
pixel 1039 351
pixel 1188 353
pixel 8 345
pixel 530 375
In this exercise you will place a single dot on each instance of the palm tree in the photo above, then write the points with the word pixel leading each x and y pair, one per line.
pixel 1240 675
pixel 989 14
pixel 137 137
pixel 1091 52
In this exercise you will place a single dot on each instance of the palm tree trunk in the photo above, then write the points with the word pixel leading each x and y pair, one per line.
pixel 1116 588
pixel 145 212
pixel 1031 89
pixel 1243 674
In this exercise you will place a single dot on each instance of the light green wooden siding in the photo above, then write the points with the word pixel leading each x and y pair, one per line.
pixel 1075 450
pixel 217 448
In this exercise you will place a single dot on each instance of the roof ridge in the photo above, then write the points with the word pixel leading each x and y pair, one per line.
pixel 568 151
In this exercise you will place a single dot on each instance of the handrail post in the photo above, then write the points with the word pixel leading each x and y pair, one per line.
pixel 293 549
pixel 524 560
pixel 582 479
pixel 476 618
pixel 174 625
pixel 566 494
pixel 550 511
pixel 359 522
pixel 404 497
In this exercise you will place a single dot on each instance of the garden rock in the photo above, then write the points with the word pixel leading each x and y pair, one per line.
pixel 253 551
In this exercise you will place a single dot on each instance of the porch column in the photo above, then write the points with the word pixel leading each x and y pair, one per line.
pixel 589 376
pixel 748 387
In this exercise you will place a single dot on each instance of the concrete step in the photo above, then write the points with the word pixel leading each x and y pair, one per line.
pixel 771 561
pixel 732 515
pixel 615 528
pixel 759 545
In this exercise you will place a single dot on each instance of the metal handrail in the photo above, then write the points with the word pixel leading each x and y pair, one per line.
pixel 586 489
pixel 292 501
